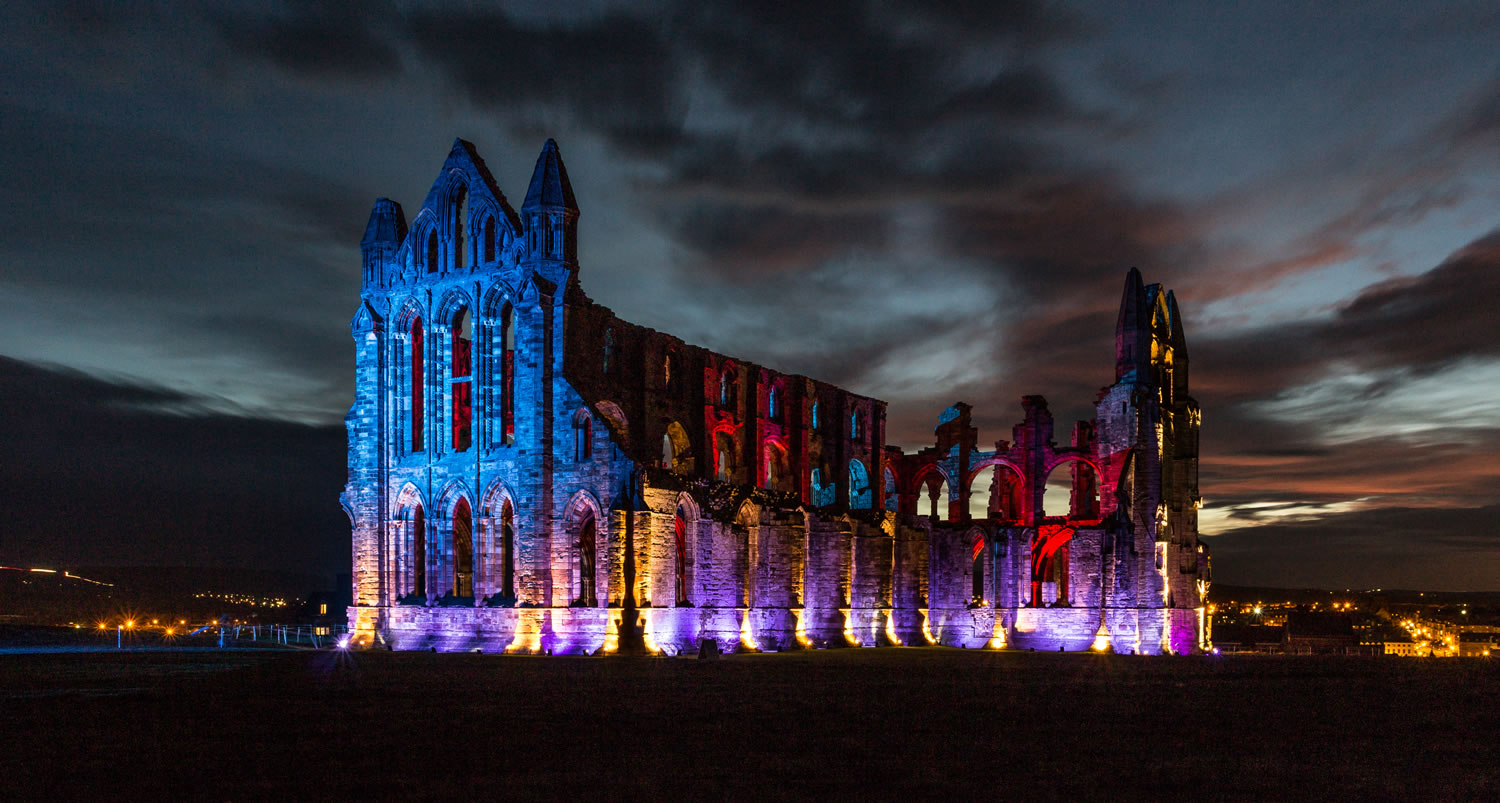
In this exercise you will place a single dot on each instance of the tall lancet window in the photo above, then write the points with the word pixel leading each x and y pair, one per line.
pixel 417 385
pixel 508 375
pixel 462 381
pixel 460 226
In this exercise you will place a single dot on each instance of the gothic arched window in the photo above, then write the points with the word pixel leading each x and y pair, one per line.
pixel 583 436
pixel 460 225
pixel 417 385
pixel 508 375
pixel 432 251
pixel 461 362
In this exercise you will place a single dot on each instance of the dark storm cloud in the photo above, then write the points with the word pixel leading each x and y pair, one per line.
pixel 614 75
pixel 1430 548
pixel 322 39
pixel 129 474
pixel 1419 325
pixel 749 240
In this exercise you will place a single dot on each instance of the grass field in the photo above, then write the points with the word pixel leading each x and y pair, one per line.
pixel 844 724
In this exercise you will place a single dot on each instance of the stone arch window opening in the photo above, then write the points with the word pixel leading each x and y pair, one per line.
pixel 460 224
pixel 815 423
pixel 433 259
pixel 666 371
pixel 417 552
pixel 508 375
pixel 679 557
pixel 773 404
pixel 417 389
pixel 463 549
pixel 860 494
pixel 727 388
pixel 583 436
pixel 507 552
pixel 489 238
pixel 676 454
pixel 1002 498
pixel 461 380
pixel 1071 491
pixel 977 572
pixel 1051 550
pixel 778 471
pixel 584 545
pixel 724 455
pixel 938 495
pixel 609 350
pixel 856 425
pixel 891 499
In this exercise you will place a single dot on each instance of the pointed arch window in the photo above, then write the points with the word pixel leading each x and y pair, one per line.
pixel 586 558
pixel 508 552
pixel 463 549
pixel 976 573
pixel 679 527
pixel 432 251
pixel 609 350
pixel 418 382
pixel 489 238
pixel 583 436
pixel 815 424
pixel 773 404
pixel 460 225
pixel 860 496
pixel 461 362
pixel 417 552
pixel 508 375
pixel 856 425
pixel 727 396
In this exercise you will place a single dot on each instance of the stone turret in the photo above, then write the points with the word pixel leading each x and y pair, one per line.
pixel 383 236
pixel 549 216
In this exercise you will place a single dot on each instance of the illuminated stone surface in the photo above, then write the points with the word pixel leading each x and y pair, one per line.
pixel 497 475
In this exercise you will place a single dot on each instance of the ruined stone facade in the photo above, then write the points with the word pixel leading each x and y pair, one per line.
pixel 528 472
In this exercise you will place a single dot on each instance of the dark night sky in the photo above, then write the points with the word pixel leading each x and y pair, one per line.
pixel 921 201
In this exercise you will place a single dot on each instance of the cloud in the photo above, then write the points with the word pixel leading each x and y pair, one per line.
pixel 100 471
pixel 1433 549
pixel 319 40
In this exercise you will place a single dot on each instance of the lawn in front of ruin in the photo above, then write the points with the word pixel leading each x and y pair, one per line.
pixel 882 722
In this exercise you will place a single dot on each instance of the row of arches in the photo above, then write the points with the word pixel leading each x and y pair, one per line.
pixel 997 490
pixel 454 561
pixel 424 369
pixel 462 559
pixel 454 236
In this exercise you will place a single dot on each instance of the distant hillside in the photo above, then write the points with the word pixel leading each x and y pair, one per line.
pixel 89 594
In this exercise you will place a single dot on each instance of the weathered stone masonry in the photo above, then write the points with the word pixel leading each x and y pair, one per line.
pixel 518 455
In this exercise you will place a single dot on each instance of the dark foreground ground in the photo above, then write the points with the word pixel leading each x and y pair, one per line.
pixel 849 723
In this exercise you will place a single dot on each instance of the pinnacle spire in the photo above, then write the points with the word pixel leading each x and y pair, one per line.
pixel 549 182
pixel 1132 328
